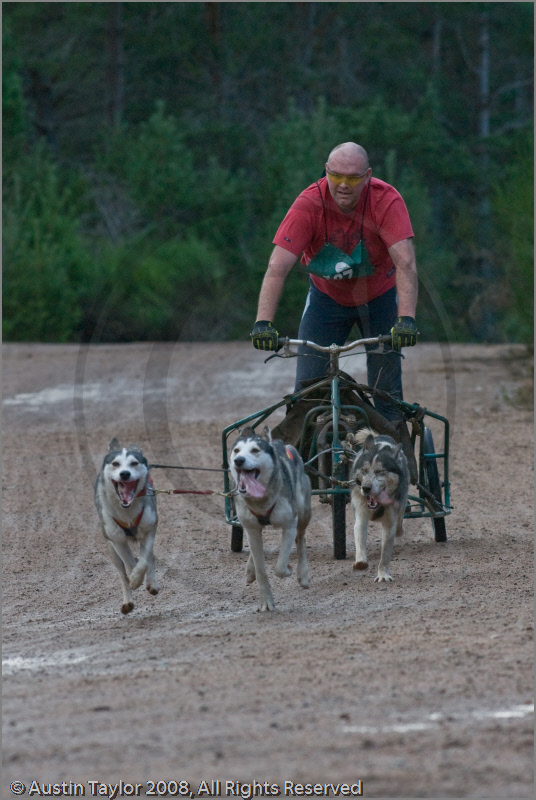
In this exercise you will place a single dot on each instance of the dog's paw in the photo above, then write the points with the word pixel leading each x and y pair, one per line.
pixel 136 579
pixel 303 578
pixel 267 604
pixel 126 608
pixel 152 589
pixel 283 572
pixel 383 577
pixel 360 565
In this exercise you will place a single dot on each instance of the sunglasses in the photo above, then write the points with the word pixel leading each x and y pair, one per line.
pixel 350 180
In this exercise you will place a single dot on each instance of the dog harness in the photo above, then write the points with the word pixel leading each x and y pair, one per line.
pixel 264 519
pixel 131 530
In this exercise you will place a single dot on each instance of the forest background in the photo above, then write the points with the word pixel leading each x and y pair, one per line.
pixel 150 151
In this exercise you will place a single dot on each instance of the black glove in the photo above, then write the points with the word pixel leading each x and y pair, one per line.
pixel 403 333
pixel 264 336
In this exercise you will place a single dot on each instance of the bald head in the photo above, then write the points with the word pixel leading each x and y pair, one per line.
pixel 348 172
pixel 352 154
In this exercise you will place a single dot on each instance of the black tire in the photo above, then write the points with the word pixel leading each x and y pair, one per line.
pixel 237 538
pixel 433 484
pixel 339 526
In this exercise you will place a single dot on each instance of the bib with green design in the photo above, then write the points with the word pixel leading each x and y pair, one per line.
pixel 333 263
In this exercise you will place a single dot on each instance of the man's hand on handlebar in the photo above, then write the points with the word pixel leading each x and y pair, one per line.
pixel 264 336
pixel 404 333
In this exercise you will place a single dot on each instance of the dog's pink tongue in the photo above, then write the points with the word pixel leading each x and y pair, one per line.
pixel 127 490
pixel 254 488
pixel 383 499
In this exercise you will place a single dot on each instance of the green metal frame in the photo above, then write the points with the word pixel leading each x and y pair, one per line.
pixel 421 507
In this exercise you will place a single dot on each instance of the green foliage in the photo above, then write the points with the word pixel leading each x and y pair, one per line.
pixel 14 113
pixel 149 290
pixel 45 262
pixel 295 152
pixel 152 160
pixel 154 163
pixel 513 205
pixel 161 225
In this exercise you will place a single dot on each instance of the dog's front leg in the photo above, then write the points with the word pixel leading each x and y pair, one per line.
pixel 250 570
pixel 360 533
pixel 146 560
pixel 303 567
pixel 257 553
pixel 128 602
pixel 283 568
pixel 151 583
pixel 389 527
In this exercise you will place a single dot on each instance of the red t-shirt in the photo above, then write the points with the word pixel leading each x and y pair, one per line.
pixel 386 222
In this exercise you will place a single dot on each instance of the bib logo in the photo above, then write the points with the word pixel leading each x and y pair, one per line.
pixel 343 270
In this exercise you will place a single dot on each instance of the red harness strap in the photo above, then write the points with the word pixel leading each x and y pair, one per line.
pixel 128 528
pixel 264 519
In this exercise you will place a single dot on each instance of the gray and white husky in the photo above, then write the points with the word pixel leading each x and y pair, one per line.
pixel 126 507
pixel 272 489
pixel 381 475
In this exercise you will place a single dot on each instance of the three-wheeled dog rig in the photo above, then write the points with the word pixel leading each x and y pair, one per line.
pixel 318 420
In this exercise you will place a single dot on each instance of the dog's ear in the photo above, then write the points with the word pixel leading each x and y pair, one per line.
pixel 114 445
pixel 368 444
pixel 397 451
pixel 135 447
pixel 266 434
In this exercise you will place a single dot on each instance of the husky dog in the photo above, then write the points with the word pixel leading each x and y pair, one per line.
pixel 381 475
pixel 272 489
pixel 127 511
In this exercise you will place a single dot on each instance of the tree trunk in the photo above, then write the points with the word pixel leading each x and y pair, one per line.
pixel 437 189
pixel 41 94
pixel 116 65
pixel 487 322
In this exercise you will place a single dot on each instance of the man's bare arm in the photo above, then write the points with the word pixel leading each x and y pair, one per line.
pixel 403 255
pixel 280 263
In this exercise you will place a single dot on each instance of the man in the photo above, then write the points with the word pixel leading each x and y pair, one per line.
pixel 356 238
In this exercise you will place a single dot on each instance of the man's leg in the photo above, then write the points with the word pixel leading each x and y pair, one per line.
pixel 325 322
pixel 383 371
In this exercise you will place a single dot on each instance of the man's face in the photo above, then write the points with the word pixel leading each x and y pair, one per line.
pixel 341 165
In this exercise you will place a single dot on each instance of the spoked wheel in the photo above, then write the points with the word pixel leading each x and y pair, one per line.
pixel 338 509
pixel 433 484
pixel 237 538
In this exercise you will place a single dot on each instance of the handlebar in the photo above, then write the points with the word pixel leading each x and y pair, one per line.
pixel 285 342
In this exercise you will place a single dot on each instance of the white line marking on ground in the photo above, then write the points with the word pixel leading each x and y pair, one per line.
pixel 55 394
pixel 62 659
pixel 517 712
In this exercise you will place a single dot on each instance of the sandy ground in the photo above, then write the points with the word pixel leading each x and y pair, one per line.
pixel 422 688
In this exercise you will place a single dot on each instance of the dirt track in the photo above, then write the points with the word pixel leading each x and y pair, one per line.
pixel 422 688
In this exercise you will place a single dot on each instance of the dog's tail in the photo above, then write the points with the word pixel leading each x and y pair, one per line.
pixel 361 436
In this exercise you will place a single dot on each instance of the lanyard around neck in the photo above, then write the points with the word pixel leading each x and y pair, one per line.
pixel 326 216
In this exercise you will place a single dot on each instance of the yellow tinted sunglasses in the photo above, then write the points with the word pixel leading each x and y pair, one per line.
pixel 350 180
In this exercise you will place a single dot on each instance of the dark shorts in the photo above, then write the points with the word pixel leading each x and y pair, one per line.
pixel 326 322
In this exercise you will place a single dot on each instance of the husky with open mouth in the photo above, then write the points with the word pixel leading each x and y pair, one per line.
pixel 381 475
pixel 272 489
pixel 126 507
